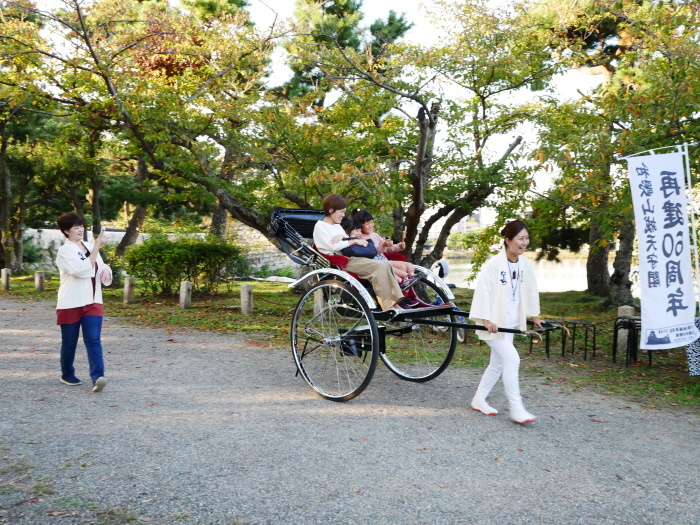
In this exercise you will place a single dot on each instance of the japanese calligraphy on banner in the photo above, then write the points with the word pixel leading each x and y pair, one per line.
pixel 665 271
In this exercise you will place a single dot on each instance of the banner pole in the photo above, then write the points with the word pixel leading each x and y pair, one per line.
pixel 692 215
pixel 653 151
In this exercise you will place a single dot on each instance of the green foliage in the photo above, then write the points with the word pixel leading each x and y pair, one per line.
pixel 180 222
pixel 646 54
pixel 462 241
pixel 32 253
pixel 181 94
pixel 243 268
pixel 162 264
pixel 117 264
pixel 265 271
pixel 570 239
pixel 285 272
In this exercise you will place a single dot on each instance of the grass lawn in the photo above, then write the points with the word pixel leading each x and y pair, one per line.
pixel 666 383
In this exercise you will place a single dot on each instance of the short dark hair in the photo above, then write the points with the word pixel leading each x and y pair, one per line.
pixel 363 216
pixel 334 201
pixel 512 229
pixel 68 220
pixel 349 224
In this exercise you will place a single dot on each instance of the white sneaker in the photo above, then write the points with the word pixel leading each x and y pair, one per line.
pixel 99 384
pixel 483 406
pixel 522 416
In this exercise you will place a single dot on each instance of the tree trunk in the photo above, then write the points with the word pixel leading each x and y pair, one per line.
pixel 597 265
pixel 6 238
pixel 137 217
pixel 219 218
pixel 18 243
pixel 620 284
pixel 420 175
pixel 397 216
pixel 132 230
pixel 17 229
pixel 441 241
pixel 417 207
pixel 78 207
pixel 94 199
pixel 95 182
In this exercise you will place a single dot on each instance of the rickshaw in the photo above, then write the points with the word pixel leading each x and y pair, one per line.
pixel 338 334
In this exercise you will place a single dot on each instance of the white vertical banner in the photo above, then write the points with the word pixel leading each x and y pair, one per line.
pixel 665 269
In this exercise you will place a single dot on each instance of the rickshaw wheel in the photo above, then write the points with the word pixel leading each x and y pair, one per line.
pixel 419 352
pixel 335 340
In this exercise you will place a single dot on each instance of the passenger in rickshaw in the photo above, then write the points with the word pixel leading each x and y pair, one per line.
pixel 404 269
pixel 353 230
pixel 328 238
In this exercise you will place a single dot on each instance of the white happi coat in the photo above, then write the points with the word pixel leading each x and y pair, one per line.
pixel 76 288
pixel 491 294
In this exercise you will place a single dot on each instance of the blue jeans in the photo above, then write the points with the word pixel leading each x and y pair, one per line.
pixel 92 328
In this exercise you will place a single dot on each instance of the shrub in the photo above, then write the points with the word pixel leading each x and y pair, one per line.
pixel 117 264
pixel 162 264
pixel 285 272
pixel 32 253
pixel 263 272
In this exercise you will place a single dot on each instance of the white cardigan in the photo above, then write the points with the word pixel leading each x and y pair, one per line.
pixel 323 233
pixel 76 271
pixel 490 295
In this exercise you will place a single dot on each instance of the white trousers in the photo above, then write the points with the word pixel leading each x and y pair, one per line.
pixel 505 362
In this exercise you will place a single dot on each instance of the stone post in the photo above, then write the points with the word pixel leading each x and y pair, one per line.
pixel 39 278
pixel 5 275
pixel 319 301
pixel 623 334
pixel 185 294
pixel 129 284
pixel 246 299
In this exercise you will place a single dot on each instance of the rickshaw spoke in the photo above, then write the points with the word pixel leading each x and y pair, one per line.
pixel 419 352
pixel 334 340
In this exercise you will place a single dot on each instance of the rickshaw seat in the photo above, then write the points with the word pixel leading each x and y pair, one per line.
pixel 341 262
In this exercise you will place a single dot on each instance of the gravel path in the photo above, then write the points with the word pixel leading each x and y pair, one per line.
pixel 206 428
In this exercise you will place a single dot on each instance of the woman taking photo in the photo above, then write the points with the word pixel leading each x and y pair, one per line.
pixel 80 299
pixel 505 293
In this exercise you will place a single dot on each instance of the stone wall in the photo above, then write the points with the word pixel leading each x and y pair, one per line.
pixel 259 251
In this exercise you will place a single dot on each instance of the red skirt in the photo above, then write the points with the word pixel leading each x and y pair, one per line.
pixel 73 315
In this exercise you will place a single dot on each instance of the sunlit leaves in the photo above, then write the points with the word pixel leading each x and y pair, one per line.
pixel 649 54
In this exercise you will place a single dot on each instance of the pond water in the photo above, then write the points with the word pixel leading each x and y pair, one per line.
pixel 569 274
